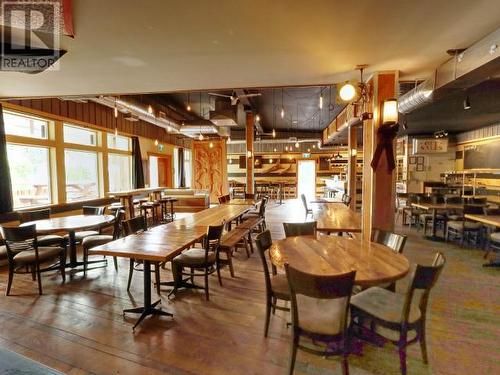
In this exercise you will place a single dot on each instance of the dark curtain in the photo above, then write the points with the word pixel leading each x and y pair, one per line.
pixel 5 183
pixel 180 166
pixel 138 174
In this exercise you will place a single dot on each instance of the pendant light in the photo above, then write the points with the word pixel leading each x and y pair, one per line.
pixel 321 99
pixel 156 142
pixel 257 118
pixel 211 145
pixel 188 107
pixel 116 111
pixel 275 149
pixel 274 133
pixel 282 108
pixel 297 145
pixel 150 109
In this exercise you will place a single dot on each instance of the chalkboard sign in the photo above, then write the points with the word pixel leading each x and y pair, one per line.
pixel 485 156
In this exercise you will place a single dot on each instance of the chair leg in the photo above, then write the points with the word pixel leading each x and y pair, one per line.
pixel 268 315
pixel 157 277
pixel 274 300
pixel 423 344
pixel 9 282
pixel 39 277
pixel 130 272
pixel 293 352
pixel 345 365
pixel 245 241
pixel 402 353
pixel 115 261
pixel 62 266
pixel 230 263
pixel 85 260
pixel 218 273
pixel 207 297
pixel 33 273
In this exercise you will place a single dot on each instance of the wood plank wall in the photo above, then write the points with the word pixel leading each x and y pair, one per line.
pixel 97 115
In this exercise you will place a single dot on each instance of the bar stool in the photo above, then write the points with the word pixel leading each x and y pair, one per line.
pixel 150 208
pixel 166 212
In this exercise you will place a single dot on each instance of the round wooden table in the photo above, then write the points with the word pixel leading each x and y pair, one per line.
pixel 71 224
pixel 332 255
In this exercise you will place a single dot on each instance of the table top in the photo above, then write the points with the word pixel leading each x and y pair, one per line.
pixel 128 193
pixel 443 206
pixel 214 215
pixel 485 219
pixel 244 201
pixel 70 223
pixel 489 198
pixel 325 200
pixel 161 243
pixel 334 217
pixel 332 255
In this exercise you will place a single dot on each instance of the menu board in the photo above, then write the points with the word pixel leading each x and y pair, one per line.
pixel 484 156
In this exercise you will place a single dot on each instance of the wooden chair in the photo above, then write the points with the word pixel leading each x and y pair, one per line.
pixel 44 240
pixel 465 229
pixel 201 261
pixel 101 239
pixel 395 241
pixel 320 307
pixel 346 199
pixel 276 285
pixel 300 229
pixel 221 199
pixel 453 215
pixel 132 226
pixel 304 203
pixel 25 256
pixel 426 217
pixel 260 213
pixel 397 318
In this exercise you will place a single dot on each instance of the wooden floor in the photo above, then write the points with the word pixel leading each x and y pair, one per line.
pixel 78 327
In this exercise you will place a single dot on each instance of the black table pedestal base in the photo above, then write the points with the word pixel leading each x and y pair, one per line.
pixel 434 238
pixel 184 284
pixel 148 308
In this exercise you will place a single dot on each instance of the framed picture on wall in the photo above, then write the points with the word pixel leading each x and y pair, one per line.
pixel 420 160
pixel 412 160
pixel 420 167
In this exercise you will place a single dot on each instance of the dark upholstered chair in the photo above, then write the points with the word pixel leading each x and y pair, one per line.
pixel 397 318
pixel 393 240
pixel 132 226
pixel 300 229
pixel 44 240
pixel 465 229
pixel 201 261
pixel 100 239
pixel 261 212
pixel 276 285
pixel 320 308
pixel 25 256
pixel 309 211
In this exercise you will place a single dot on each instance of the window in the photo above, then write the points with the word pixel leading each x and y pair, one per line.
pixel 25 126
pixel 30 175
pixel 81 175
pixel 187 167
pixel 79 136
pixel 118 142
pixel 119 171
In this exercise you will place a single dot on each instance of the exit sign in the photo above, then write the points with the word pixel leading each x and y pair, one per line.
pixel 430 145
pixel 306 155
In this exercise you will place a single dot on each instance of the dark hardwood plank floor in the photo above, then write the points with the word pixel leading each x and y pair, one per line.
pixel 78 327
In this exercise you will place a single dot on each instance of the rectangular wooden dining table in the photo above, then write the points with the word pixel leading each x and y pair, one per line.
pixel 493 220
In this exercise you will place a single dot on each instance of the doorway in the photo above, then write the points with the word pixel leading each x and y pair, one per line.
pixel 306 178
pixel 160 171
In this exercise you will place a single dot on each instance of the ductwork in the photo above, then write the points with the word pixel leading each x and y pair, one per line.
pixel 417 97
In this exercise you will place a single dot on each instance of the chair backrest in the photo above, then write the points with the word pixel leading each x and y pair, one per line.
pixel 492 211
pixel 262 207
pixel 135 225
pixel 93 210
pixel 300 229
pixel 437 198
pixel 424 199
pixel 25 216
pixel 454 200
pixel 473 210
pixel 477 200
pixel 304 202
pixel 346 199
pixel 227 198
pixel 221 199
pixel 117 224
pixel 249 196
pixel 332 293
pixel 18 239
pixel 393 240
pixel 422 278
pixel 263 243
pixel 214 234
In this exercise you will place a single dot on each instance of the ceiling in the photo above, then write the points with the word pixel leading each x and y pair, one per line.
pixel 123 46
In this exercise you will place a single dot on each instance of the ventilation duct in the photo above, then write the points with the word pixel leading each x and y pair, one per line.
pixel 417 97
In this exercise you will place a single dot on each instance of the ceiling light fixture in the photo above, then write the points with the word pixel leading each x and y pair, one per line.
pixel 347 92
pixel 275 149
pixel 116 111
pixel 200 137
pixel 321 101
pixel 150 109
pixel 249 154
pixel 211 145
pixel 156 142
pixel 467 102
pixel 286 148
pixel 282 108
pixel 116 132
pixel 270 161
pixel 228 139
pixel 274 133
pixel 257 118
pixel 390 111
pixel 297 144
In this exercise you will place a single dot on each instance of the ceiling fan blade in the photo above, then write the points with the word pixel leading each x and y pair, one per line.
pixel 221 95
pixel 250 95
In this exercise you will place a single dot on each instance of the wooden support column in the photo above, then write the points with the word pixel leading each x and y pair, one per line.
pixel 351 166
pixel 250 150
pixel 379 185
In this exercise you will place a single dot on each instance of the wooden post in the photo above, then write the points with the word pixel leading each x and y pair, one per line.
pixel 351 166
pixel 249 155
pixel 379 185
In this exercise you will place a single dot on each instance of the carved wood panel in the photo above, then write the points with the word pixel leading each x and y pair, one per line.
pixel 209 167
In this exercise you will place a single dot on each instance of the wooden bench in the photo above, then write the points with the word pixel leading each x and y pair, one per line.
pixel 230 242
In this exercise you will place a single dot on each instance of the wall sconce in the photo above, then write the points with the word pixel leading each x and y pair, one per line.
pixel 347 92
pixel 249 154
pixel 390 111
pixel 354 152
